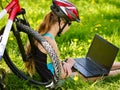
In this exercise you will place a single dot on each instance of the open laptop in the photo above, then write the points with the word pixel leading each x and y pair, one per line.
pixel 99 58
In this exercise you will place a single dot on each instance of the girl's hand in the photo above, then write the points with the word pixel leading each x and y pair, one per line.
pixel 70 61
pixel 67 69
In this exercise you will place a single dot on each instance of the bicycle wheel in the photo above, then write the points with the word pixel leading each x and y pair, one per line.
pixel 17 65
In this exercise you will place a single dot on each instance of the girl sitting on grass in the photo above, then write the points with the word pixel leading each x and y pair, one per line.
pixel 55 23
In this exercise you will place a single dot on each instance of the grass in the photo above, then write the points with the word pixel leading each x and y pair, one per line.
pixel 97 16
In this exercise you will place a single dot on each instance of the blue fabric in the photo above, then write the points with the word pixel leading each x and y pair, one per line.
pixel 49 35
pixel 50 67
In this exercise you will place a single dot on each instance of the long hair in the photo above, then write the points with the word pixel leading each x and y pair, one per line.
pixel 49 20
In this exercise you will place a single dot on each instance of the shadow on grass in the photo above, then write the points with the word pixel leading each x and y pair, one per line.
pixel 15 83
pixel 112 16
pixel 112 79
pixel 116 3
pixel 85 85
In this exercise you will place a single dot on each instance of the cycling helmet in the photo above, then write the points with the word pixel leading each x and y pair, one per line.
pixel 65 9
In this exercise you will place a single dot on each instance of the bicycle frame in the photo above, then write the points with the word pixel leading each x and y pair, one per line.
pixel 12 9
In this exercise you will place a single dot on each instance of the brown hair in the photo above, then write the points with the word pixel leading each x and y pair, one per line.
pixel 43 28
pixel 48 21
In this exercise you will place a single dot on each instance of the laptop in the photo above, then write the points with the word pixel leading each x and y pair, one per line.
pixel 99 58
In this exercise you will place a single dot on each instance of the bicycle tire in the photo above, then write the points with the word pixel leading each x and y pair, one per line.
pixel 55 60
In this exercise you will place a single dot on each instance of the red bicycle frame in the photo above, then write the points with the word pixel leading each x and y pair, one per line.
pixel 12 9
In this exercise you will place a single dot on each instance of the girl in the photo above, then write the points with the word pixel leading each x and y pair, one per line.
pixel 56 22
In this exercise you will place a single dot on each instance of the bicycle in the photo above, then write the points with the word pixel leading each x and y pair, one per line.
pixel 19 25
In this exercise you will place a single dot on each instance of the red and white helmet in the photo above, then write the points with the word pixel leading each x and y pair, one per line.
pixel 65 9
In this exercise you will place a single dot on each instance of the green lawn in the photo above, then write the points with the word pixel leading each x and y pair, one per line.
pixel 97 16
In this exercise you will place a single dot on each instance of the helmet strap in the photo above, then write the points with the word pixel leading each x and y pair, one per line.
pixel 61 29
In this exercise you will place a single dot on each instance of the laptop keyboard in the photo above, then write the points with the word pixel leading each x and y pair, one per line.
pixel 91 66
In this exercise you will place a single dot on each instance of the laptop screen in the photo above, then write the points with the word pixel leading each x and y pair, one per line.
pixel 102 52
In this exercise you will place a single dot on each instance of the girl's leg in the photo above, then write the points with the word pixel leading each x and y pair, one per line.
pixel 115 66
pixel 115 70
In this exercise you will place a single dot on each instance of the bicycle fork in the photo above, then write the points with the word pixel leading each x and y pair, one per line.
pixel 4 38
pixel 16 33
